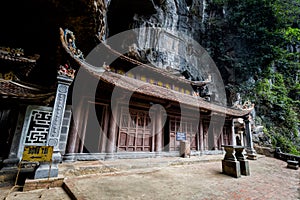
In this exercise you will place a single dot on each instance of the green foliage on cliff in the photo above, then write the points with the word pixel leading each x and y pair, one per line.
pixel 256 45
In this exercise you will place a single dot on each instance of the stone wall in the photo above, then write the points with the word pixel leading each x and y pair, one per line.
pixel 285 156
pixel 267 151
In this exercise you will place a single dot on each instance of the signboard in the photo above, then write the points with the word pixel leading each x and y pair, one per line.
pixel 180 136
pixel 38 153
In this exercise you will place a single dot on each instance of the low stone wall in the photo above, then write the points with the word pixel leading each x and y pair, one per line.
pixel 267 151
pixel 285 156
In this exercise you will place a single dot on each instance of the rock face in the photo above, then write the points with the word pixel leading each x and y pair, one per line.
pixel 168 34
pixel 177 19
pixel 95 20
pixel 35 28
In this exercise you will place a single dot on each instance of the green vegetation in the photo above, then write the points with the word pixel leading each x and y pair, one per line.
pixel 256 45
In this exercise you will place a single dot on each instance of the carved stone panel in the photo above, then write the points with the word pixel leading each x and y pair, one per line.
pixel 36 127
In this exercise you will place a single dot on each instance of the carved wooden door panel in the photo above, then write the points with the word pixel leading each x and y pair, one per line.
pixel 205 135
pixel 187 126
pixel 135 133
pixel 226 135
pixel 174 128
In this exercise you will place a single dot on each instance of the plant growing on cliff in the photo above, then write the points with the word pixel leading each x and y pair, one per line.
pixel 256 45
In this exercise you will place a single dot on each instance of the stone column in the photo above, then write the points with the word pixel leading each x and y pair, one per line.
pixel 158 131
pixel 251 153
pixel 64 81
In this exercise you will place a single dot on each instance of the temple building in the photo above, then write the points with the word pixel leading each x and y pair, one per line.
pixel 132 109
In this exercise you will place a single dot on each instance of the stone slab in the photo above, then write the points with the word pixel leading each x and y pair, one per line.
pixel 292 164
pixel 34 184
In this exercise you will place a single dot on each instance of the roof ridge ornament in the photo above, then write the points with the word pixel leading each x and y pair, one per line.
pixel 247 105
pixel 66 70
pixel 69 38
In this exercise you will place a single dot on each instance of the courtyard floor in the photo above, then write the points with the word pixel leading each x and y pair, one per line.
pixel 198 177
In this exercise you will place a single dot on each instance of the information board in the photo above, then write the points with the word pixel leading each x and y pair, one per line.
pixel 180 136
pixel 37 153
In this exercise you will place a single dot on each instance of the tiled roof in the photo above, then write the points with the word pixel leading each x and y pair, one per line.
pixel 149 89
pixel 12 89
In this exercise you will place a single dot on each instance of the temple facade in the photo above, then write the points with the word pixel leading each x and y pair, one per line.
pixel 127 109
pixel 131 109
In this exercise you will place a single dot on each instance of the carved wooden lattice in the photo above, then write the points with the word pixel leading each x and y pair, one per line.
pixel 184 125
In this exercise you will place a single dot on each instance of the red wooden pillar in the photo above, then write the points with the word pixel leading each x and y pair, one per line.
pixel 158 130
pixel 216 136
pixel 112 133
pixel 201 137
pixel 104 130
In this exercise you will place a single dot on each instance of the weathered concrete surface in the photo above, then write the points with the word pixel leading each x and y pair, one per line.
pixel 166 178
pixel 270 179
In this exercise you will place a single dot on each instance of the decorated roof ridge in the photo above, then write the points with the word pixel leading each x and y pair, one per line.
pixel 17 55
pixel 14 59
pixel 16 81
pixel 70 47
pixel 131 84
pixel 11 89
pixel 78 58
pixel 16 89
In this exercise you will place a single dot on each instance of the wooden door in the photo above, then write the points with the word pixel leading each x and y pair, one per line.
pixel 188 126
pixel 135 132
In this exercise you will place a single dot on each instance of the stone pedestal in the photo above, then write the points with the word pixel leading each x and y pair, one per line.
pixel 231 168
pixel 230 165
pixel 185 149
pixel 244 164
pixel 251 153
pixel 235 163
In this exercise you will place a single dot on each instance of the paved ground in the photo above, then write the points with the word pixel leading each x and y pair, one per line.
pixel 170 178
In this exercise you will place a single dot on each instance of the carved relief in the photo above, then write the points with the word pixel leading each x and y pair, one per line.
pixel 58 114
pixel 38 127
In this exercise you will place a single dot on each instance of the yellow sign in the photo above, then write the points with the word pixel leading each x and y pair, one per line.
pixel 38 153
